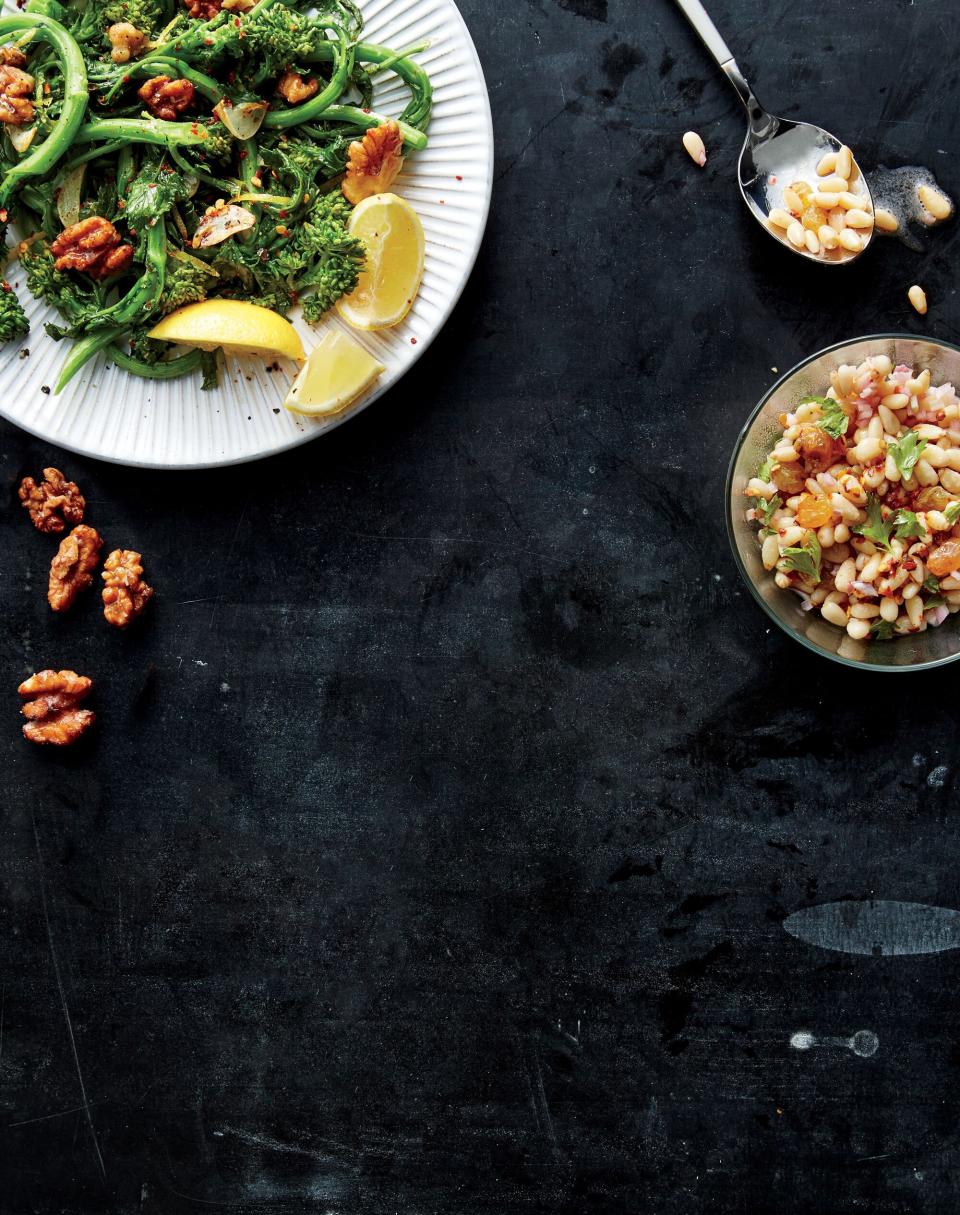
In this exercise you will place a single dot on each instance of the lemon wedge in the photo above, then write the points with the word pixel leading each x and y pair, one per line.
pixel 393 235
pixel 238 327
pixel 337 372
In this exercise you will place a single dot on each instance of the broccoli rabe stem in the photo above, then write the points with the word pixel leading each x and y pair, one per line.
pixel 417 112
pixel 342 54
pixel 84 350
pixel 142 130
pixel 365 119
pixel 143 295
pixel 168 369
pixel 74 105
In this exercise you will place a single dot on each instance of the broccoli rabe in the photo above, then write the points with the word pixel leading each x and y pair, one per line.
pixel 13 319
pixel 148 16
pixel 187 282
pixel 332 258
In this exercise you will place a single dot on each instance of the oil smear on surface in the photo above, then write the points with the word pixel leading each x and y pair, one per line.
pixel 897 190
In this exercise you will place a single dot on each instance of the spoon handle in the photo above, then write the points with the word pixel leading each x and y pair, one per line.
pixel 700 19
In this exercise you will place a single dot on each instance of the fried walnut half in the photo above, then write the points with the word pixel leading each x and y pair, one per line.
pixel 294 88
pixel 71 570
pixel 51 700
pixel 204 9
pixel 16 92
pixel 53 503
pixel 373 162
pixel 93 245
pixel 13 56
pixel 166 97
pixel 125 594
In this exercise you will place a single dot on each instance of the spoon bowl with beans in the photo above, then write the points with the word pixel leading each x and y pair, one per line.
pixel 799 182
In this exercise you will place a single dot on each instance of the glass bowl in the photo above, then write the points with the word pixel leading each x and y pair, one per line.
pixel 915 651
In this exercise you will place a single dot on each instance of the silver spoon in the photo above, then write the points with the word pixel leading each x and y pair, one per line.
pixel 776 151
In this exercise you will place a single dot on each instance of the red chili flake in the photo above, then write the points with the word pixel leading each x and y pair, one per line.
pixel 282 214
pixel 3 215
pixel 910 564
pixel 243 154
pixel 208 42
pixel 126 77
pixel 46 89
pixel 441 202
pixel 5 285
pixel 120 203
pixel 231 77
pixel 133 232
pixel 459 177
pixel 413 341
pixel 366 110
pixel 236 22
pixel 295 297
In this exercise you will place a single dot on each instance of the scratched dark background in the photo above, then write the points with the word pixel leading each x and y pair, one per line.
pixel 433 848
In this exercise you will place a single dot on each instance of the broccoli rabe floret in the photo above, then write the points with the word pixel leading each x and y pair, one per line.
pixel 13 319
pixel 147 349
pixel 47 283
pixel 147 15
pixel 185 284
pixel 332 257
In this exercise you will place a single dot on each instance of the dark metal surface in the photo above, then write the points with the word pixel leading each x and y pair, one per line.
pixel 433 851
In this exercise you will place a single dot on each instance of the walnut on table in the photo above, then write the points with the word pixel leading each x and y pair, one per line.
pixel 125 594
pixel 71 570
pixel 16 95
pixel 92 245
pixel 53 502
pixel 165 97
pixel 51 700
pixel 12 56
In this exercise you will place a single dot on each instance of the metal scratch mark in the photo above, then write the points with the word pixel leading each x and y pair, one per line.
pixel 63 998
pixel 74 1109
pixel 863 1043
pixel 226 564
pixel 256 1139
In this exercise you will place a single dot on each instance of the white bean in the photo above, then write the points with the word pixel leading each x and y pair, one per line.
pixel 825 536
pixel 844 165
pixel 850 240
pixel 833 185
pixel 924 473
pixel 695 148
pixel 792 201
pixel 914 609
pixel 780 218
pixel 859 630
pixel 859 219
pixel 918 298
pixel 885 220
pixel 827 164
pixel 841 533
pixel 835 614
pixel 811 241
pixel 889 610
pixel 846 574
pixel 933 201
pixel 864 611
pixel 828 237
pixel 770 552
pixel 950 481
pixel 796 234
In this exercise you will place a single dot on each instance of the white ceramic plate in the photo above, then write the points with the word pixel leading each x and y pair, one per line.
pixel 107 413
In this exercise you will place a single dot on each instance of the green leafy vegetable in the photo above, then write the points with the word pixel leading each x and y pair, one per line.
pixel 833 420
pixel 876 528
pixel 154 178
pixel 906 451
pixel 804 558
pixel 766 509
pixel 952 512
pixel 934 601
pixel 765 470
pixel 907 524
pixel 882 630
pixel 13 319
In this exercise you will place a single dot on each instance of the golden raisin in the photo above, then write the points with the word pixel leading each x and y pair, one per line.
pixel 945 558
pixel 814 510
pixel 813 218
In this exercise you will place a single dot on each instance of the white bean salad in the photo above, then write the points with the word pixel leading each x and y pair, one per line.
pixel 828 218
pixel 859 501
